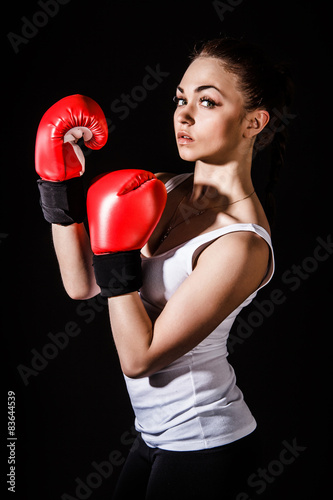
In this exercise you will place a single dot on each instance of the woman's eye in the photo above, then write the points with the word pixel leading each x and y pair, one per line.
pixel 207 102
pixel 179 101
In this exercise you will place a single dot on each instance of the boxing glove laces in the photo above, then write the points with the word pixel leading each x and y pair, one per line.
pixel 59 160
pixel 123 209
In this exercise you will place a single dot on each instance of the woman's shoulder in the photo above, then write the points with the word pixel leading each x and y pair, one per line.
pixel 251 212
pixel 241 232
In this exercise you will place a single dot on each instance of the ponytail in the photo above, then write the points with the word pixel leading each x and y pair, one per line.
pixel 277 135
pixel 278 149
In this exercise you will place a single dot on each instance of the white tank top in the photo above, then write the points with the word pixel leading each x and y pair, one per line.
pixel 194 403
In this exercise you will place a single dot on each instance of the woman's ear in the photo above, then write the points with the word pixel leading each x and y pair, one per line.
pixel 256 121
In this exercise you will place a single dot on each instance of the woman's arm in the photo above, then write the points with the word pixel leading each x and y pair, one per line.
pixel 74 255
pixel 227 272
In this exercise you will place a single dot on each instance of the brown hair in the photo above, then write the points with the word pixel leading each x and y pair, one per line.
pixel 264 85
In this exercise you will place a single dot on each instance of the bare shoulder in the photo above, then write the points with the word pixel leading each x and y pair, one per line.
pixel 241 248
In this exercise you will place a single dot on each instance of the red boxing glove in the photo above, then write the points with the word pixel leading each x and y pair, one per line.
pixel 123 209
pixel 58 157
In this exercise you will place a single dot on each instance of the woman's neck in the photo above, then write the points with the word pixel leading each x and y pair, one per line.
pixel 217 185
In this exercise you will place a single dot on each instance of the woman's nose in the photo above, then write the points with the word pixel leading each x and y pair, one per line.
pixel 184 115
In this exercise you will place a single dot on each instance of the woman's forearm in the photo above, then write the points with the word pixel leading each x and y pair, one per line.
pixel 74 255
pixel 132 332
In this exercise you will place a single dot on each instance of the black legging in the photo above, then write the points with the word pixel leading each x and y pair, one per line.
pixel 215 473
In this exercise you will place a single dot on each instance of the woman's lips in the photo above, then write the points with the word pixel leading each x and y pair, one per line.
pixel 184 138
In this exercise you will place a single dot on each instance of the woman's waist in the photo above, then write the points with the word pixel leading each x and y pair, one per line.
pixel 199 377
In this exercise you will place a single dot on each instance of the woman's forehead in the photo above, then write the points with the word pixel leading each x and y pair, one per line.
pixel 205 71
pixel 209 72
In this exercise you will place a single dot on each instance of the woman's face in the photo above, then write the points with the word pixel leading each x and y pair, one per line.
pixel 209 118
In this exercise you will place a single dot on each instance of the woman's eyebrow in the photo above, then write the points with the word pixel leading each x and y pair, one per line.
pixel 201 88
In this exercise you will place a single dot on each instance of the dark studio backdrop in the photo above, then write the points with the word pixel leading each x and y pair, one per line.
pixel 73 417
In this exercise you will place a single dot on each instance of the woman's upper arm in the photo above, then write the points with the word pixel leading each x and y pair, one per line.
pixel 227 272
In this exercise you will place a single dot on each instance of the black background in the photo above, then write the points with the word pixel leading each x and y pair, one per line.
pixel 75 410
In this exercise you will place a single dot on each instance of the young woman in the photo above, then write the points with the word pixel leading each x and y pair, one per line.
pixel 207 258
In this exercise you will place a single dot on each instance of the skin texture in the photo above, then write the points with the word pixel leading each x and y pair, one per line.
pixel 214 132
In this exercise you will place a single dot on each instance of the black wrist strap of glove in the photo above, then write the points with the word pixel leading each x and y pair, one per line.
pixel 118 273
pixel 62 202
